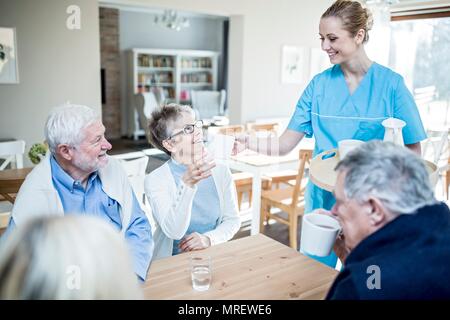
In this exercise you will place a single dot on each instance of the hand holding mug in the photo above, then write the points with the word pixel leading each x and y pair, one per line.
pixel 339 246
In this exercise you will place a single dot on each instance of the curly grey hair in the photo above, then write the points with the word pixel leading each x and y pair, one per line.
pixel 393 174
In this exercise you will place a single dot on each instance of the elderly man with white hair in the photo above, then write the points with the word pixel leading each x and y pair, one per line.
pixel 78 177
pixel 396 236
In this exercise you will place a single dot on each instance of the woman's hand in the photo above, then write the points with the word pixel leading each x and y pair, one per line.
pixel 194 241
pixel 199 170
pixel 339 245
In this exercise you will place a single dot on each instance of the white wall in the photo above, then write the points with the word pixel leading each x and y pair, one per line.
pixel 260 29
pixel 55 64
pixel 137 30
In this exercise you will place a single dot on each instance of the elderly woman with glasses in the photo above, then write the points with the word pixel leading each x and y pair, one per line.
pixel 193 199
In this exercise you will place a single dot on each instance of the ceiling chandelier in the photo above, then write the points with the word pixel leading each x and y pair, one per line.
pixel 170 19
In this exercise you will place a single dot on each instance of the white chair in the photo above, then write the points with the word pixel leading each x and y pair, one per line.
pixel 12 152
pixel 208 103
pixel 435 146
pixel 136 170
pixel 144 104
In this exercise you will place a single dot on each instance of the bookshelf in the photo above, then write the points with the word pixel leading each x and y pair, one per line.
pixel 177 72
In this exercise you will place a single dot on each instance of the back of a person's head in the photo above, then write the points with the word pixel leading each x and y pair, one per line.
pixel 393 174
pixel 72 257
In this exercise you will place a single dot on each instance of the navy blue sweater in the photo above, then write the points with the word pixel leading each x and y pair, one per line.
pixel 413 256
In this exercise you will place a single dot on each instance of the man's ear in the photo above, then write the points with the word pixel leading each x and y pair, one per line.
pixel 360 35
pixel 169 145
pixel 378 213
pixel 64 151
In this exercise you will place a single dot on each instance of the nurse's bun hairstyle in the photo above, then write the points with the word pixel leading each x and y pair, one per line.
pixel 354 17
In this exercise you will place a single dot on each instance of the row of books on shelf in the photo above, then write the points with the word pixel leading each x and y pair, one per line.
pixel 149 78
pixel 147 60
pixel 196 77
pixel 196 62
pixel 168 92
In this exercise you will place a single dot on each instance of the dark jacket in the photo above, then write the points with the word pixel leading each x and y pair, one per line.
pixel 412 253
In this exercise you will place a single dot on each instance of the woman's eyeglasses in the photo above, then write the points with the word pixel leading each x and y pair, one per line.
pixel 188 129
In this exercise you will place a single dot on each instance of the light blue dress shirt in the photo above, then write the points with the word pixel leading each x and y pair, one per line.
pixel 327 111
pixel 94 201
pixel 205 207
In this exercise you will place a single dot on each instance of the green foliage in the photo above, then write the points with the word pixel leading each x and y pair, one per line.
pixel 37 151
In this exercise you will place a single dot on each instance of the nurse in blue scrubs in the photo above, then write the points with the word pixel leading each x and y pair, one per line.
pixel 348 100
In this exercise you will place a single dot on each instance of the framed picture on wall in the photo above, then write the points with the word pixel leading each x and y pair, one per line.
pixel 294 66
pixel 9 72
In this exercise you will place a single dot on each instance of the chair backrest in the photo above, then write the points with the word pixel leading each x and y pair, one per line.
pixel 134 167
pixel 12 151
pixel 423 96
pixel 208 103
pixel 436 145
pixel 262 129
pixel 305 157
pixel 231 130
pixel 136 170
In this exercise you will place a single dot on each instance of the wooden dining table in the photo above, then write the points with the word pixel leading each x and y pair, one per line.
pixel 10 182
pixel 254 267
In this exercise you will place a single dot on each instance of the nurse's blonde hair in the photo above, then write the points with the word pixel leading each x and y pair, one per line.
pixel 353 16
pixel 72 257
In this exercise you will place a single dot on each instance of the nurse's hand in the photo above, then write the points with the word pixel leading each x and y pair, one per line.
pixel 339 247
pixel 194 241
pixel 240 143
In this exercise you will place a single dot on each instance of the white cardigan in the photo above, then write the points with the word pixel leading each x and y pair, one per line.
pixel 171 208
pixel 37 195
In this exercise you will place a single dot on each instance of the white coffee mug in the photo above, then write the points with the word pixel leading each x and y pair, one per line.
pixel 319 233
pixel 345 146
pixel 221 146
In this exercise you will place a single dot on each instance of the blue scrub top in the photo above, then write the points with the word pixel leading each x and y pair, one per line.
pixel 327 111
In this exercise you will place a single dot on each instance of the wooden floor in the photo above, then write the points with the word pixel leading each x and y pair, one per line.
pixel 276 231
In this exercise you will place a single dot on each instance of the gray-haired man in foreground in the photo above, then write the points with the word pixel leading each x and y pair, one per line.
pixel 396 236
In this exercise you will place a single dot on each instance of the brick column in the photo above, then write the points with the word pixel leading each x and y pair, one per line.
pixel 110 62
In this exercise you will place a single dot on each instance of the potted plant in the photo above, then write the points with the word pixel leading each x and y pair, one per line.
pixel 37 152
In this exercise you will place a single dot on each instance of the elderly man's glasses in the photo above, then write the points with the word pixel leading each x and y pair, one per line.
pixel 188 129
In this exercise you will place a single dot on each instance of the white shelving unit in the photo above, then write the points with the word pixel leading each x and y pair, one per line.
pixel 177 72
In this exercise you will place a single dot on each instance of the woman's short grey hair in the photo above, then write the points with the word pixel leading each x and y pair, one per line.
pixel 162 121
pixel 65 125
pixel 393 174
pixel 71 257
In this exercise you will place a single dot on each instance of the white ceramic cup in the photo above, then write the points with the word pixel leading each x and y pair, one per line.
pixel 222 146
pixel 345 146
pixel 319 233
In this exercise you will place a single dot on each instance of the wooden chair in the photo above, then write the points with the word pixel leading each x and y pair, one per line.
pixel 231 130
pixel 275 178
pixel 260 127
pixel 242 180
pixel 4 221
pixel 290 200
pixel 244 183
